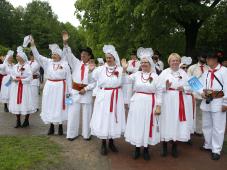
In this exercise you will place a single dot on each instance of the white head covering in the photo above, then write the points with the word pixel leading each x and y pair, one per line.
pixel 55 49
pixel 110 49
pixel 9 54
pixel 100 60
pixel 186 60
pixel 146 53
pixel 21 53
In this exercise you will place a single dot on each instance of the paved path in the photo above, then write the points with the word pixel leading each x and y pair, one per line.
pixel 84 155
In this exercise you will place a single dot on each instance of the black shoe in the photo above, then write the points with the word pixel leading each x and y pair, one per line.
pixel 146 155
pixel 164 149
pixel 25 124
pixel 112 146
pixel 189 142
pixel 72 139
pixel 60 130
pixel 51 129
pixel 198 134
pixel 174 150
pixel 136 153
pixel 18 125
pixel 215 156
pixel 103 150
pixel 6 108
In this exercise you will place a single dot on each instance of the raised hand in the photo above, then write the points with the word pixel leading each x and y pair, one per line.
pixel 32 41
pixel 124 63
pixel 65 37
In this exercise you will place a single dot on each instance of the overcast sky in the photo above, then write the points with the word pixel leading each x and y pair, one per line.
pixel 64 9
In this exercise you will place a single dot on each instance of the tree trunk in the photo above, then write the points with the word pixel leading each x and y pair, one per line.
pixel 191 32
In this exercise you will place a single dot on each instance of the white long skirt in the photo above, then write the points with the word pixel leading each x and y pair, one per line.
pixel 171 127
pixel 190 115
pixel 138 122
pixel 103 122
pixel 5 90
pixel 52 103
pixel 27 106
pixel 35 96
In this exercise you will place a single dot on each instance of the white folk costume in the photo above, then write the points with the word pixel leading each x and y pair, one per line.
pixel 214 120
pixel 142 127
pixel 6 68
pixel 108 119
pixel 20 101
pixel 197 70
pixel 58 84
pixel 84 102
pixel 127 88
pixel 174 123
pixel 35 83
pixel 159 66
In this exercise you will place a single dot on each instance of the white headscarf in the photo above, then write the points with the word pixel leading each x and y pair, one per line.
pixel 9 54
pixel 146 53
pixel 21 53
pixel 186 60
pixel 110 49
pixel 55 49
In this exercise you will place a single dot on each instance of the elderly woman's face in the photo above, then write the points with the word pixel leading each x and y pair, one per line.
pixel 56 57
pixel 110 59
pixel 85 56
pixel 174 63
pixel 19 59
pixel 145 65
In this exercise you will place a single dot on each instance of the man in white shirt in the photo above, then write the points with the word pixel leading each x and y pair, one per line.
pixel 214 106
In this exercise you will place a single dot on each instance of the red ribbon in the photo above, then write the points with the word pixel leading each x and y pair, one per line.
pixel 64 91
pixel 114 92
pixel 134 63
pixel 152 111
pixel 201 67
pixel 19 92
pixel 182 115
pixel 212 76
pixel 82 69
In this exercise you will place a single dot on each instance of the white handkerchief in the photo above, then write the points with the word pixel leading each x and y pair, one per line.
pixel 27 40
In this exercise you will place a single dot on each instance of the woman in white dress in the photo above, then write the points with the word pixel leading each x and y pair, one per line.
pixel 142 127
pixel 6 68
pixel 20 100
pixel 57 87
pixel 108 119
pixel 174 122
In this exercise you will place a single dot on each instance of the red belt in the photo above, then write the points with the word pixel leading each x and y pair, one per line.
pixel 64 91
pixel 152 111
pixel 182 115
pixel 193 103
pixel 114 92
pixel 19 90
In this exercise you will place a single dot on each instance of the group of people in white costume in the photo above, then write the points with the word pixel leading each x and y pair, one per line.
pixel 162 106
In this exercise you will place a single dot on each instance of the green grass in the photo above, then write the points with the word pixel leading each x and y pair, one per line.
pixel 28 152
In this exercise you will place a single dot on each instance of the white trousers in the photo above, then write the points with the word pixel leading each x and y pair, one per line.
pixel 213 130
pixel 73 124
